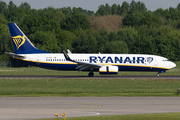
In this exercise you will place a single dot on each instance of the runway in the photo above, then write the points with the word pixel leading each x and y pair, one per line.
pixel 21 108
pixel 86 77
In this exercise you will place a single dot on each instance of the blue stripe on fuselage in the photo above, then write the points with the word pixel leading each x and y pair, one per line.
pixel 72 67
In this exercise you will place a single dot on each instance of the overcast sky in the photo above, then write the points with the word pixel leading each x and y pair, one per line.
pixel 93 4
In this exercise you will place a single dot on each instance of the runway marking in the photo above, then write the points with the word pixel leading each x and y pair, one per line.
pixel 86 108
pixel 88 114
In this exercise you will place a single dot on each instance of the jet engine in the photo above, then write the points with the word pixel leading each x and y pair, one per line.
pixel 108 70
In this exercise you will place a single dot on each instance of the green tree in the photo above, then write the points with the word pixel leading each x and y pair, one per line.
pixel 108 9
pixel 141 7
pixel 25 5
pixel 145 43
pixel 5 46
pixel 45 41
pixel 80 10
pixel 31 24
pixel 114 9
pixel 130 20
pixel 101 11
pixel 150 19
pixel 77 10
pixel 119 10
pixel 143 18
pixel 75 22
pixel 101 38
pixel 3 7
pixel 86 42
pixel 173 37
pixel 124 8
pixel 129 35
pixel 12 12
pixel 58 16
pixel 133 6
pixel 119 47
pixel 11 6
pixel 66 38
pixel 162 13
pixel 66 11
pixel 3 25
pixel 178 7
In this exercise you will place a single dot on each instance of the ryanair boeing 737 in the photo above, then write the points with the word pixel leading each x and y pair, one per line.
pixel 26 52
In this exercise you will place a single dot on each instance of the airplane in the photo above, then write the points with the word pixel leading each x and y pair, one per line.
pixel 109 64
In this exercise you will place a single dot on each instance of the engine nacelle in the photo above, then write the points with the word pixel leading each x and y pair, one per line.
pixel 108 70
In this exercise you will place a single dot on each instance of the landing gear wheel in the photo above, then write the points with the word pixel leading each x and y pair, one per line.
pixel 158 75
pixel 91 74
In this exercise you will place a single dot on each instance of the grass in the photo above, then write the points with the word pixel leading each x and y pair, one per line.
pixel 91 88
pixel 40 71
pixel 88 87
pixel 159 116
pixel 85 87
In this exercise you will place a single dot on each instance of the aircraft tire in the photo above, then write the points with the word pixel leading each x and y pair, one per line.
pixel 158 75
pixel 91 74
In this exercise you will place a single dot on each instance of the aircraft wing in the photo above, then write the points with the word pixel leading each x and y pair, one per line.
pixel 81 65
pixel 86 66
pixel 15 55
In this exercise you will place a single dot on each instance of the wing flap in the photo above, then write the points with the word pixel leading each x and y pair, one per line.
pixel 86 66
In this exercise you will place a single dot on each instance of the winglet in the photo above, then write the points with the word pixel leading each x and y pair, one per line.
pixel 69 52
pixel 66 56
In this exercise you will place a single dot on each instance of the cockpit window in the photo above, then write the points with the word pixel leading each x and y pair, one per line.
pixel 165 60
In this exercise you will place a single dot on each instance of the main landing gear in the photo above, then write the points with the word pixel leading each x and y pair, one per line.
pixel 158 74
pixel 91 74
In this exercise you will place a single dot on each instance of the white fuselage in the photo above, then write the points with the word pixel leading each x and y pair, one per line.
pixel 126 62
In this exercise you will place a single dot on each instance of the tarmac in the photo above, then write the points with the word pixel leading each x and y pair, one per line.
pixel 25 108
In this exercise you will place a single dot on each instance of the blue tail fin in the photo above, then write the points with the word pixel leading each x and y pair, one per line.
pixel 22 45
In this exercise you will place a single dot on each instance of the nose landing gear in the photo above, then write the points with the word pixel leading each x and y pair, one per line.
pixel 158 74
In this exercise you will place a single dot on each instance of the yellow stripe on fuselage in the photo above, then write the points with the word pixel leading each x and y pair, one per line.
pixel 97 63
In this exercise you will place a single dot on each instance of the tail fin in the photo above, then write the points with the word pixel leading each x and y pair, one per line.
pixel 22 45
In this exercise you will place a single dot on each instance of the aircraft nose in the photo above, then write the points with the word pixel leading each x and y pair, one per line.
pixel 173 65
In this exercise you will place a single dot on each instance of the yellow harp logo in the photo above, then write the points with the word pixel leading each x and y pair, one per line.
pixel 19 41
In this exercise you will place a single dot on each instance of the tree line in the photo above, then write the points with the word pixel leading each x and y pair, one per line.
pixel 127 28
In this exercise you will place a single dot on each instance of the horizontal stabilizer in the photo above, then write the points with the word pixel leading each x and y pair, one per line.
pixel 15 55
